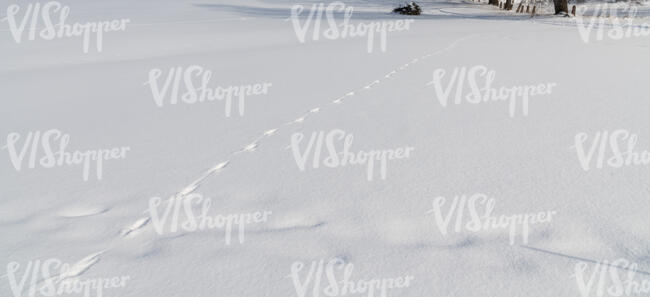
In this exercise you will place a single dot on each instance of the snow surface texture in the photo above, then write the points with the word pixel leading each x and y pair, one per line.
pixel 245 163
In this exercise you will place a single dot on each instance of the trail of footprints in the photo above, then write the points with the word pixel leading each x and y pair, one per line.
pixel 84 264
pixel 253 145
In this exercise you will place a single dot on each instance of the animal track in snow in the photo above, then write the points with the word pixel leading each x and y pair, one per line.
pixel 81 211
pixel 189 189
pixel 251 147
pixel 371 84
pixel 254 145
pixel 195 184
pixel 80 267
pixel 296 223
pixel 72 271
pixel 135 226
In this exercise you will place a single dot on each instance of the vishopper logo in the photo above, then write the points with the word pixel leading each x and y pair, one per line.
pixel 616 278
pixel 342 30
pixel 479 208
pixel 480 81
pixel 53 277
pixel 179 215
pixel 53 16
pixel 607 24
pixel 339 281
pixel 190 85
pixel 51 146
pixel 614 149
pixel 342 156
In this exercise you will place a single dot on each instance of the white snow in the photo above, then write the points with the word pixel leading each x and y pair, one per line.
pixel 245 164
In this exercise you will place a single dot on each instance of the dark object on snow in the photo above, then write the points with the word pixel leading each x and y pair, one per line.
pixel 409 9
pixel 561 6
pixel 573 10
pixel 509 4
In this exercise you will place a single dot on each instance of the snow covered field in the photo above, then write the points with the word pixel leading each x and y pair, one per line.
pixel 475 152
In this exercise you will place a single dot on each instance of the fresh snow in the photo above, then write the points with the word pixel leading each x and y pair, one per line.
pixel 245 163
